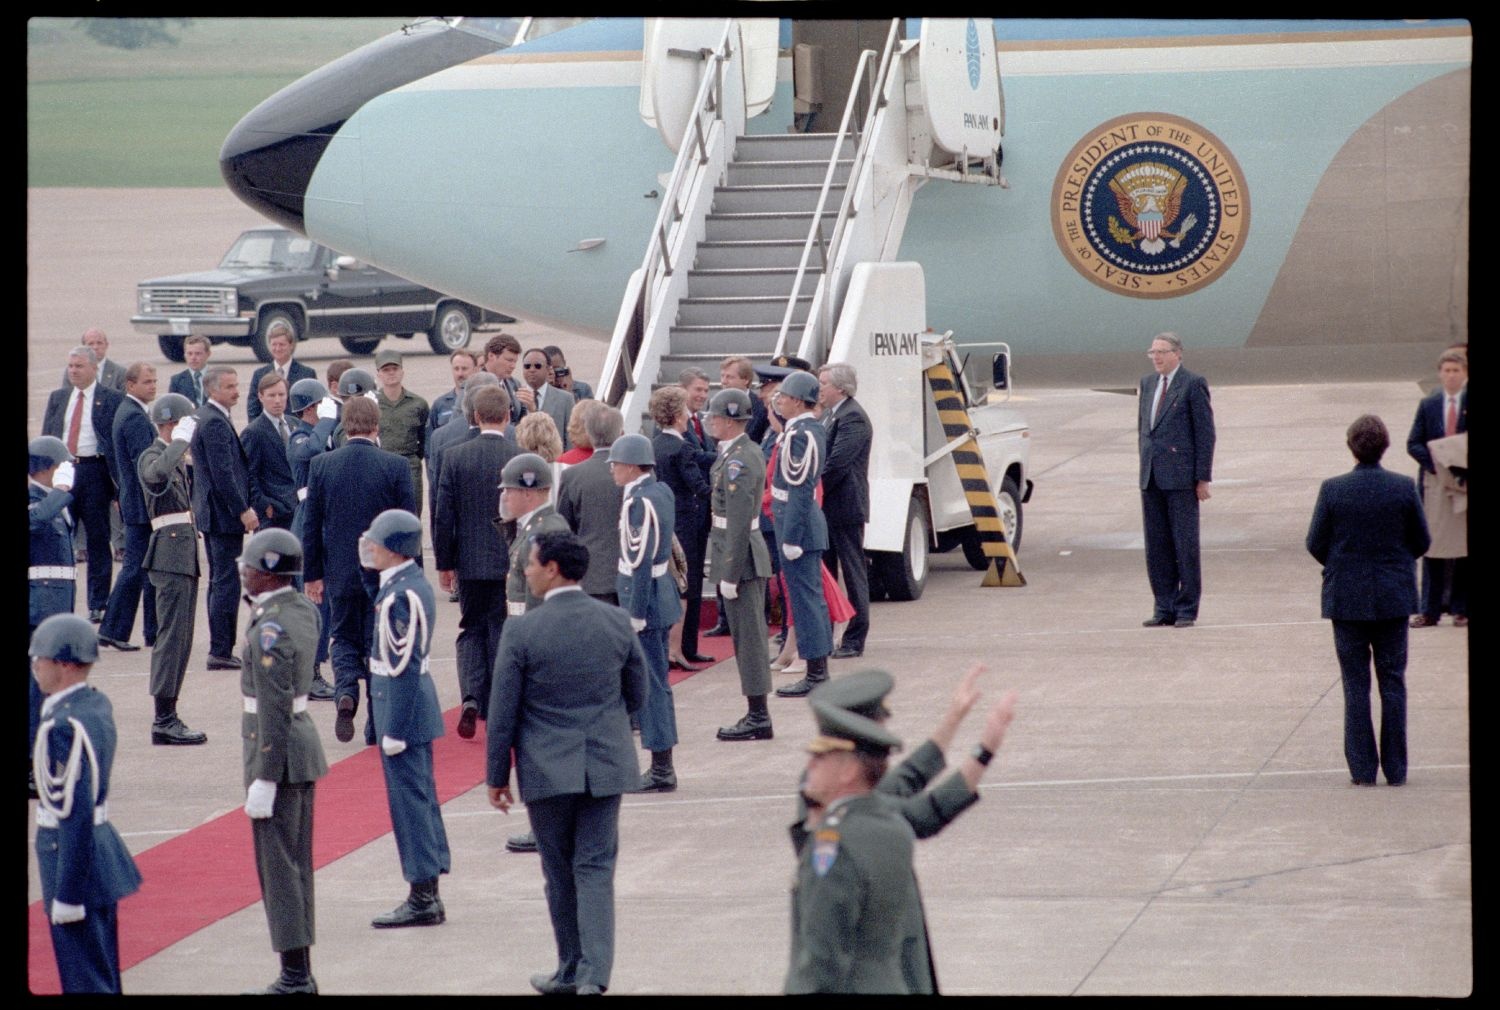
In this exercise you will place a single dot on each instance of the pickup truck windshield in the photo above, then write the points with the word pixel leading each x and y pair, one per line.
pixel 271 251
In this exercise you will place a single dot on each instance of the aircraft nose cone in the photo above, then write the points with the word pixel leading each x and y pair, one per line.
pixel 268 158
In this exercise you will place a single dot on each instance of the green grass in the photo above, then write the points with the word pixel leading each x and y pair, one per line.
pixel 98 116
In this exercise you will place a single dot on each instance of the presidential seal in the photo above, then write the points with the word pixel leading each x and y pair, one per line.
pixel 1150 205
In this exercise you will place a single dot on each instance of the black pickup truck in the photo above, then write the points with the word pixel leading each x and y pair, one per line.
pixel 274 275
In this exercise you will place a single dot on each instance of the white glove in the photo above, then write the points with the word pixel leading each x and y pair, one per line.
pixel 729 590
pixel 64 913
pixel 260 799
pixel 63 477
pixel 372 397
pixel 185 428
pixel 637 624
pixel 392 746
pixel 792 551
pixel 328 407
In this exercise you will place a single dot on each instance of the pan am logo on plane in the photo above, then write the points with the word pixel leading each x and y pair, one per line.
pixel 1150 205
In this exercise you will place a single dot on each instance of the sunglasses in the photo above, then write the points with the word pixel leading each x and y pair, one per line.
pixel 533 366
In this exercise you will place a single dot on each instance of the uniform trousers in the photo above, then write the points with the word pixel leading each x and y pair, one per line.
pixel 658 716
pixel 223 596
pixel 804 586
pixel 848 556
pixel 353 619
pixel 481 618
pixel 284 862
pixel 578 837
pixel 1357 643
pixel 93 490
pixel 131 589
pixel 1445 586
pixel 175 595
pixel 746 617
pixel 416 817
pixel 1170 521
pixel 88 952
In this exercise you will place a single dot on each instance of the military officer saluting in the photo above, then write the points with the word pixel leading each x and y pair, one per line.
pixel 171 561
pixel 525 490
pixel 283 756
pixel 801 532
pixel 85 867
pixel 648 594
pixel 50 574
pixel 738 559
pixel 407 716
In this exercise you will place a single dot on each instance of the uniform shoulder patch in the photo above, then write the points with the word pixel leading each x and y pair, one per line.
pixel 825 850
pixel 735 468
pixel 270 632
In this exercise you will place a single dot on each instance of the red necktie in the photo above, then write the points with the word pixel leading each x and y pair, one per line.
pixel 1451 427
pixel 698 427
pixel 75 424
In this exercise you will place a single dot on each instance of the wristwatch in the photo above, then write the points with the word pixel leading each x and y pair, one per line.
pixel 982 754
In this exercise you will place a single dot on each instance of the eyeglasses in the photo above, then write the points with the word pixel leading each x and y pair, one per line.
pixel 533 366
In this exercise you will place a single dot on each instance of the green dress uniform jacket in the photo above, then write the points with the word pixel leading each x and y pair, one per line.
pixel 281 744
pixel 173 546
pixel 737 551
pixel 518 598
pixel 402 425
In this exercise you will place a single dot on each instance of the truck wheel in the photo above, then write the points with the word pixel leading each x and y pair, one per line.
pixel 1008 502
pixel 360 345
pixel 451 329
pixel 171 346
pixel 903 575
pixel 262 346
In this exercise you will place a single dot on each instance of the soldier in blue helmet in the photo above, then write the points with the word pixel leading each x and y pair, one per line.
pixel 50 574
pixel 85 867
pixel 315 415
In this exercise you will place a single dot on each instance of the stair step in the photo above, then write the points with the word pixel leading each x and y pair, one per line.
pixel 763 253
pixel 790 147
pixel 753 341
pixel 734 282
pixel 755 173
pixel 776 198
pixel 723 227
pixel 766 311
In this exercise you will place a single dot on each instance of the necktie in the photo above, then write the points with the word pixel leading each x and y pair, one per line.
pixel 76 423
pixel 1450 427
pixel 1161 395
pixel 198 387
pixel 698 430
pixel 280 372
pixel 281 429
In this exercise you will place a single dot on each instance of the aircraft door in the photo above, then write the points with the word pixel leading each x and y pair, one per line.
pixel 672 70
pixel 825 68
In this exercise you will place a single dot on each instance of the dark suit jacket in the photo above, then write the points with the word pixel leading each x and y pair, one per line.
pixel 106 402
pixel 131 435
pixel 567 675
pixel 1179 449
pixel 296 371
pixel 468 497
pixel 272 483
pixel 589 499
pixel 677 467
pixel 1367 532
pixel 1430 424
pixel 182 382
pixel 346 489
pixel 221 484
pixel 846 474
pixel 455 432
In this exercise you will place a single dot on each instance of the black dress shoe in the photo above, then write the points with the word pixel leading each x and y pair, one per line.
pixel 96 616
pixel 174 732
pixel 548 985
pixel 343 723
pixel 1158 622
pixel 1185 622
pixel 719 630
pixel 467 720
pixel 677 664
pixel 655 781
pixel 800 689
pixel 321 690
pixel 521 843
pixel 223 663
pixel 412 912
pixel 847 652
pixel 288 985
pixel 751 727
pixel 115 643
pixel 693 657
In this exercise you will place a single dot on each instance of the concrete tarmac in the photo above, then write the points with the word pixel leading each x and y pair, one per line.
pixel 1171 812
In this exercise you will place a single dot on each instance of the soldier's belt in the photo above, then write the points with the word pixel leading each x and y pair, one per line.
pixel 52 572
pixel 47 819
pixel 515 609
pixel 172 519
pixel 299 704
pixel 657 571
pixel 302 494
pixel 722 522
pixel 779 493
pixel 380 668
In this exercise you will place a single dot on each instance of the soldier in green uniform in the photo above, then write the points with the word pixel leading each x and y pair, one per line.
pixel 283 756
pixel 738 557
pixel 171 561
pixel 525 493
pixel 403 418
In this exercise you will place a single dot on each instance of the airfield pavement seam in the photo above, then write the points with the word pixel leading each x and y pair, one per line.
pixel 1219 887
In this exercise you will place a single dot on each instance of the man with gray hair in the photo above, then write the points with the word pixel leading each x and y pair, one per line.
pixel 221 508
pixel 589 500
pixel 846 496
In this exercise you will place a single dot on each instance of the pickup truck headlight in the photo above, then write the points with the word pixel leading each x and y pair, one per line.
pixel 143 300
pixel 231 302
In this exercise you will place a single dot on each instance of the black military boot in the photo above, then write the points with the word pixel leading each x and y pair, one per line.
pixel 660 778
pixel 756 724
pixel 321 690
pixel 422 907
pixel 817 672
pixel 296 976
pixel 169 730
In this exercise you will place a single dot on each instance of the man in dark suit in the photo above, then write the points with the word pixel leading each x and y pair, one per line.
pixel 502 353
pixel 1177 457
pixel 589 499
pixel 273 487
pixel 221 509
pixel 131 434
pixel 457 431
pixel 82 414
pixel 346 489
pixel 1445 569
pixel 282 363
pixel 567 678
pixel 846 495
pixel 189 381
pixel 1367 532
pixel 556 403
pixel 469 550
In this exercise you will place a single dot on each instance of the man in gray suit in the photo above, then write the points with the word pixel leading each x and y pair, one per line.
pixel 567 677
pixel 538 393
pixel 589 499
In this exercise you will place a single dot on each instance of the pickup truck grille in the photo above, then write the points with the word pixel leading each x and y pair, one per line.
pixel 184 301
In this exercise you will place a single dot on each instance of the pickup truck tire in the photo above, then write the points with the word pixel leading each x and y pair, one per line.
pixel 360 345
pixel 903 575
pixel 451 329
pixel 258 342
pixel 1008 501
pixel 171 347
